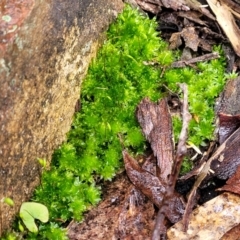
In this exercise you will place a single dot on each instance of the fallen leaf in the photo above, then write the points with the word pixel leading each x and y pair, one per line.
pixel 233 183
pixel 146 182
pixel 227 125
pixel 227 23
pixel 191 38
pixel 155 121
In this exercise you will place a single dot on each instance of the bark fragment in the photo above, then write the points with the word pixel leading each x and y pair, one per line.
pixel 210 221
pixel 227 22
pixel 156 124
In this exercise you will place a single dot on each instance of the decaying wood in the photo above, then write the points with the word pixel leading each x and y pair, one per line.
pixel 227 22
pixel 210 221
pixel 156 124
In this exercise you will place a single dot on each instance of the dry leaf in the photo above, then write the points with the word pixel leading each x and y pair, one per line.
pixel 227 23
pixel 155 121
pixel 233 183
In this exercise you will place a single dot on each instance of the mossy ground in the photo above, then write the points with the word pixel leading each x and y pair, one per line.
pixel 117 80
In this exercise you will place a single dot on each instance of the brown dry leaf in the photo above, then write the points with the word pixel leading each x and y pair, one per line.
pixel 176 4
pixel 155 121
pixel 232 234
pixel 136 219
pixel 194 16
pixel 227 125
pixel 231 98
pixel 233 183
pixel 175 41
pixel 154 6
pixel 191 38
pixel 210 221
pixel 205 46
pixel 146 182
pixel 150 6
pixel 227 23
pixel 152 187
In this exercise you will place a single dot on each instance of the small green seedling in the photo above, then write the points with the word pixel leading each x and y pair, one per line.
pixel 8 201
pixel 42 162
pixel 30 211
pixel 20 226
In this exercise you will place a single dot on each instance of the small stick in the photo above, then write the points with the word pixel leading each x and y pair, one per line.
pixel 182 146
pixel 206 57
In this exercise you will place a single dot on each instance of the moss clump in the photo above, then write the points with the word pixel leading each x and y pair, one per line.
pixel 204 86
pixel 117 80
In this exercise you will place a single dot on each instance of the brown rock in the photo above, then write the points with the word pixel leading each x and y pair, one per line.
pixel 45 49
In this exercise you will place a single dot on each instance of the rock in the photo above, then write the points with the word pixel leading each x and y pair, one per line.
pixel 210 221
pixel 45 49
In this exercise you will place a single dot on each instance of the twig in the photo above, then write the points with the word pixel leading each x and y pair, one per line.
pixel 182 146
pixel 206 57
pixel 181 152
pixel 159 228
pixel 221 168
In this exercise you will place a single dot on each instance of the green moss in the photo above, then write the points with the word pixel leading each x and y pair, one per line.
pixel 117 80
pixel 204 86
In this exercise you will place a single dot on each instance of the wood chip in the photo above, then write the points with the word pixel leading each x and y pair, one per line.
pixel 210 221
pixel 227 23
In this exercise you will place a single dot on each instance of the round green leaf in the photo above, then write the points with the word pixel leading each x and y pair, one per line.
pixel 30 211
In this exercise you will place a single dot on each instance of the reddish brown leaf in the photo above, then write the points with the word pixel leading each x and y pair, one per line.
pixel 154 189
pixel 147 183
pixel 232 234
pixel 227 125
pixel 233 183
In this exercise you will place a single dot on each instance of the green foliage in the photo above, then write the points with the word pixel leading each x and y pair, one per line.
pixel 204 86
pixel 10 236
pixel 8 201
pixel 186 166
pixel 30 211
pixel 50 231
pixel 231 76
pixel 117 80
